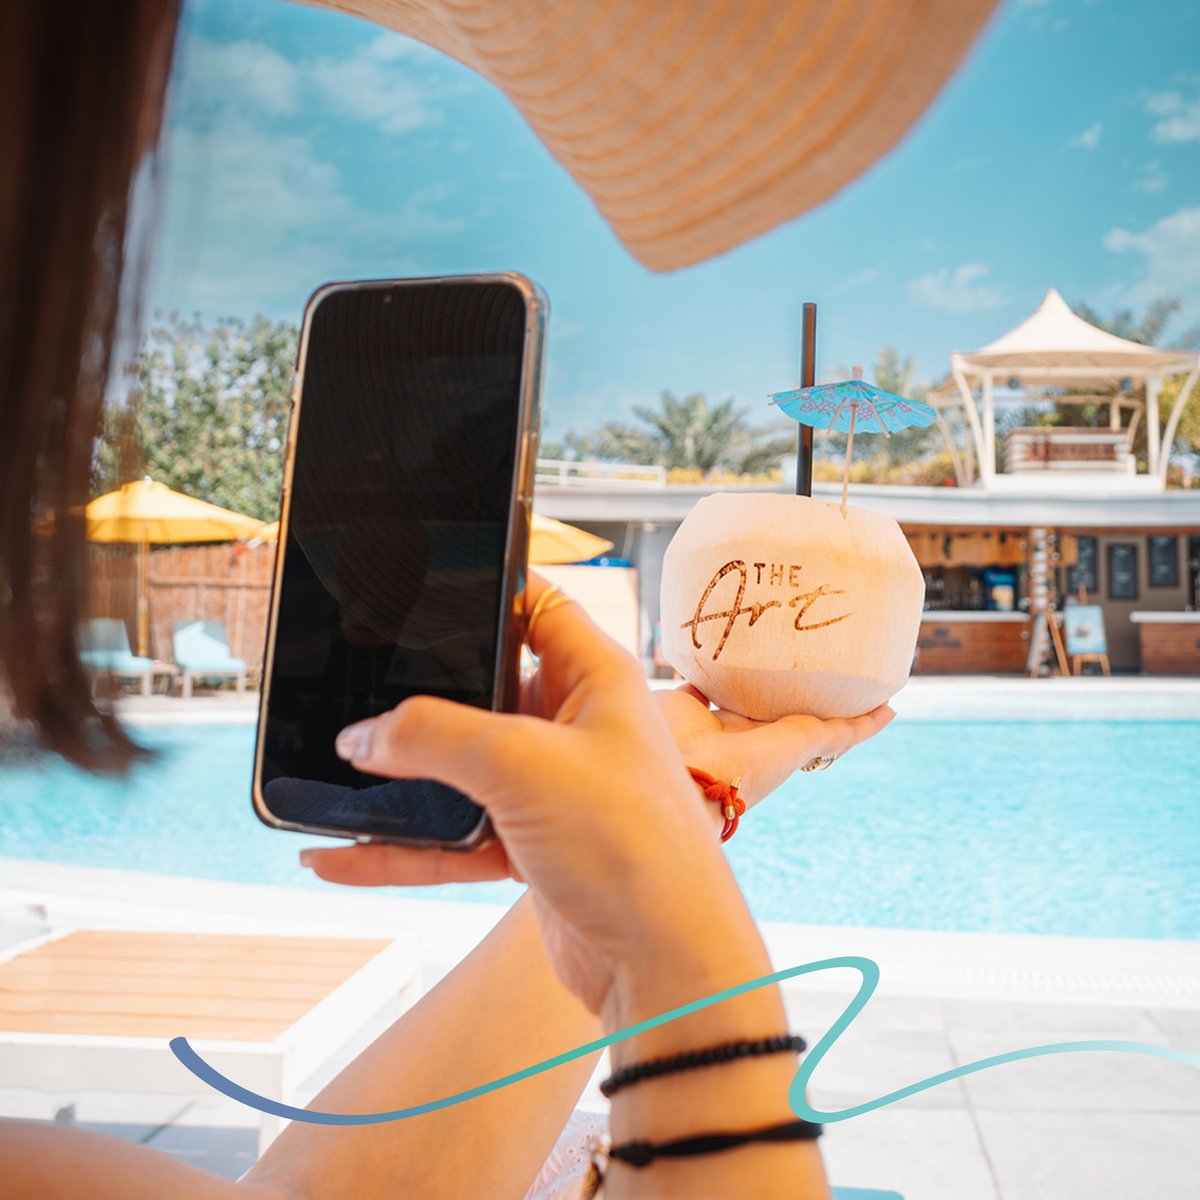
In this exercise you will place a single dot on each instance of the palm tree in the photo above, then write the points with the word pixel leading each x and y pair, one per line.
pixel 689 433
pixel 905 447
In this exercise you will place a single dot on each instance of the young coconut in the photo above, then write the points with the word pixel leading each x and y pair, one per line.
pixel 776 604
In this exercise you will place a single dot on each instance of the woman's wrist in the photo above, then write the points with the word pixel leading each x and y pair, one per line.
pixel 715 946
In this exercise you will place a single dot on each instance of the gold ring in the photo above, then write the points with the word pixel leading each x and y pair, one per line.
pixel 550 598
pixel 820 763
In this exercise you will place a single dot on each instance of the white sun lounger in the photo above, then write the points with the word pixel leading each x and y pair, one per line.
pixel 94 1010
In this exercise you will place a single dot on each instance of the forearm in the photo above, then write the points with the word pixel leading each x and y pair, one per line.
pixel 747 1094
pixel 54 1162
pixel 500 1010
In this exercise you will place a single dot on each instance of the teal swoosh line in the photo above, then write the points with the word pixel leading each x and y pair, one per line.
pixel 870 973
pixel 868 969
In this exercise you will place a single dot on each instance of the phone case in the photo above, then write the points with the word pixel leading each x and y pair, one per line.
pixel 505 679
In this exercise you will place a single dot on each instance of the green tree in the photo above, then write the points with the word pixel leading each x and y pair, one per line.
pixel 688 434
pixel 909 455
pixel 209 413
pixel 1150 330
pixel 1147 330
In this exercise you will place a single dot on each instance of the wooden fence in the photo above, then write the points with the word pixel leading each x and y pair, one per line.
pixel 224 582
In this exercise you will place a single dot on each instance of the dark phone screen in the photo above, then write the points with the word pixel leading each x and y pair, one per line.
pixel 391 580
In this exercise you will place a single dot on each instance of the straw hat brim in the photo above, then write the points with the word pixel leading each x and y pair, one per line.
pixel 695 125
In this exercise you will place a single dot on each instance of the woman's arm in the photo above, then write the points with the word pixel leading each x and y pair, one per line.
pixel 55 1162
pixel 637 907
pixel 499 1010
pixel 504 1008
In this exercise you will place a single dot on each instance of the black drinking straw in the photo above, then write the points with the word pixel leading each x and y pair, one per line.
pixel 808 371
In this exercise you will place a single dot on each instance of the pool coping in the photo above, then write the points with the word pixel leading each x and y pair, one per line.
pixel 924 698
pixel 1016 967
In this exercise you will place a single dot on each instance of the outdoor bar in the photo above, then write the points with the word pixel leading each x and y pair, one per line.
pixel 972 643
pixel 1169 642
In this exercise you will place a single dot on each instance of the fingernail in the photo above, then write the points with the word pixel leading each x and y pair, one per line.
pixel 354 742
pixel 306 858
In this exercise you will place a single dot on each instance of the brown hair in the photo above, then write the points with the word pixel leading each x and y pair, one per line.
pixel 81 90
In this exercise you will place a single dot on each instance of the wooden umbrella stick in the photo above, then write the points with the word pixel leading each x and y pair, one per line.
pixel 886 432
pixel 849 452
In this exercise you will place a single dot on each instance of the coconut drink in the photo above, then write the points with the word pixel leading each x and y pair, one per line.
pixel 775 604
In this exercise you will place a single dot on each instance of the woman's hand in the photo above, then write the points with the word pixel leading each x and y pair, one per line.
pixel 590 803
pixel 762 754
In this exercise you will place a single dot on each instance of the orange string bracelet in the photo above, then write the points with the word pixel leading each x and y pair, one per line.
pixel 724 794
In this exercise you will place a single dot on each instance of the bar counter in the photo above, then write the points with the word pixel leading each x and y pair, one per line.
pixel 1169 641
pixel 972 643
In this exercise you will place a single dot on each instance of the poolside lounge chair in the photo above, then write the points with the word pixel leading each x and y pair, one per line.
pixel 104 649
pixel 202 652
pixel 93 1011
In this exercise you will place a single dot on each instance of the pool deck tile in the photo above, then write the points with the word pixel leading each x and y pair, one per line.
pixel 1104 1156
pixel 1077 1083
pixel 1182 1026
pixel 922 1155
pixel 868 1063
pixel 1065 1020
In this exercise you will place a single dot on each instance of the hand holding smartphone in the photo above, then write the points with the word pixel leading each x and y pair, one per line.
pixel 403 540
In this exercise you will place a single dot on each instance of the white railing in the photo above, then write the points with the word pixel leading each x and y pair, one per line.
pixel 555 472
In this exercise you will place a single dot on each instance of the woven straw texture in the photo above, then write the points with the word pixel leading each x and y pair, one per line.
pixel 695 125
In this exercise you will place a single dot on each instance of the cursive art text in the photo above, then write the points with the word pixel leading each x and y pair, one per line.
pixel 777 575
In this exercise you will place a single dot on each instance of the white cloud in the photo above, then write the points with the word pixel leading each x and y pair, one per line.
pixel 255 219
pixel 956 291
pixel 237 75
pixel 854 281
pixel 1179 118
pixel 255 211
pixel 244 208
pixel 1170 249
pixel 1089 139
pixel 370 86
pixel 374 84
pixel 1151 178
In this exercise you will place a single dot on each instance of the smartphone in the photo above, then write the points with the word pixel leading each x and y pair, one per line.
pixel 403 539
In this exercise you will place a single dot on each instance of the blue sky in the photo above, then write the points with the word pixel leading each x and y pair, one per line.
pixel 305 146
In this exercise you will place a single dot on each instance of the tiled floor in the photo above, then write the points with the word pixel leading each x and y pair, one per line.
pixel 1074 1126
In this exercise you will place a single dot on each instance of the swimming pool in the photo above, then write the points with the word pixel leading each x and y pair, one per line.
pixel 1078 828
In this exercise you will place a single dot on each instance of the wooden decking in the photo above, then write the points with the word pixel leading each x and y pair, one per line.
pixel 228 987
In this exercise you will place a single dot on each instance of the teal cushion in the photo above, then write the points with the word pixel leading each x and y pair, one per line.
pixel 202 648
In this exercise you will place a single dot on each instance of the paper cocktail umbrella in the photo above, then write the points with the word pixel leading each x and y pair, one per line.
pixel 852 404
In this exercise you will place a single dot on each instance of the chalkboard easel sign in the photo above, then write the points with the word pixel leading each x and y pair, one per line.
pixel 1083 573
pixel 1164 561
pixel 1122 571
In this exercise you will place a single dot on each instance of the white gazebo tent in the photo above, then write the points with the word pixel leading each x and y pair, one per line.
pixel 1054 348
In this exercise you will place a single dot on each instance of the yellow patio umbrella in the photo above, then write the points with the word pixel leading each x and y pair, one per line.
pixel 149 513
pixel 552 541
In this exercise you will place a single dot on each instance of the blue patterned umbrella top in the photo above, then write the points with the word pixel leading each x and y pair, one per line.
pixel 829 406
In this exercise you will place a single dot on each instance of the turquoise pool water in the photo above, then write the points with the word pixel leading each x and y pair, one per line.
pixel 1080 828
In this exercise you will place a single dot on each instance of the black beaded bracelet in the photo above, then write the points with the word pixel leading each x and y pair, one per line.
pixel 693 1059
pixel 642 1154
